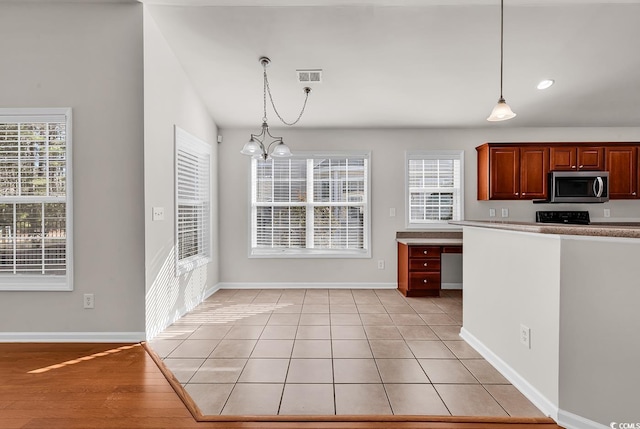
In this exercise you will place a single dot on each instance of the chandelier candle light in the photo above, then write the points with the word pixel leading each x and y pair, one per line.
pixel 258 146
pixel 502 111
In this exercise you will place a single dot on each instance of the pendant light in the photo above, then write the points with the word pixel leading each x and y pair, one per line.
pixel 502 111
pixel 258 145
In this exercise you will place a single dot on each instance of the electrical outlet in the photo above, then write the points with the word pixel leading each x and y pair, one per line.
pixel 505 212
pixel 381 264
pixel 392 212
pixel 607 212
pixel 158 213
pixel 492 212
pixel 525 336
pixel 88 301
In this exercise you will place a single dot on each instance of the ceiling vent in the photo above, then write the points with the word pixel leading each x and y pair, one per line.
pixel 309 76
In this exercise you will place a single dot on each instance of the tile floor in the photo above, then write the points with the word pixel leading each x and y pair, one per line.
pixel 333 351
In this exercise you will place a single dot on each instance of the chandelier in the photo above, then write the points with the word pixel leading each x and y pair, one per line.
pixel 259 145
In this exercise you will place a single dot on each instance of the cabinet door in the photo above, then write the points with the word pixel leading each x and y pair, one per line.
pixel 504 173
pixel 622 165
pixel 534 166
pixel 563 158
pixel 591 158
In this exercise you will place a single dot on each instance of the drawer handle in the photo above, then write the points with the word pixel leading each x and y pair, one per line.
pixel 425 264
pixel 424 281
pixel 425 252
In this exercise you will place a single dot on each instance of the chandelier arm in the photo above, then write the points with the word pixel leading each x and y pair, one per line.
pixel 307 90
pixel 272 143
pixel 272 136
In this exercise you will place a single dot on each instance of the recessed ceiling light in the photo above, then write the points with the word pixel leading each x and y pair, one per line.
pixel 544 84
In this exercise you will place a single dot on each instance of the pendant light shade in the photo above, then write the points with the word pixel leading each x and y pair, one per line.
pixel 502 111
pixel 251 148
pixel 281 151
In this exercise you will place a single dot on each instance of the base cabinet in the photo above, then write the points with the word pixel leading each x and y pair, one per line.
pixel 419 268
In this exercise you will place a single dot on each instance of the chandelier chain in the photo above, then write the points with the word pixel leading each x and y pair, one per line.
pixel 268 90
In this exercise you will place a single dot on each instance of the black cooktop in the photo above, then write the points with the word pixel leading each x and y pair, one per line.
pixel 567 217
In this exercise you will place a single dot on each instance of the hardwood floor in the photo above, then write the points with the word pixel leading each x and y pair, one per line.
pixel 119 386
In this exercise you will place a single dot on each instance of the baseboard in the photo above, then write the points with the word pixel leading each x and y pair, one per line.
pixel 211 290
pixel 451 286
pixel 71 337
pixel 309 285
pixel 177 313
pixel 533 394
pixel 574 421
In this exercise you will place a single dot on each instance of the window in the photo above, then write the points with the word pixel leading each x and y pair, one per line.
pixel 35 199
pixel 434 188
pixel 193 197
pixel 310 205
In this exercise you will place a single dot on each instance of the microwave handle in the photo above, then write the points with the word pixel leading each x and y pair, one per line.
pixel 598 186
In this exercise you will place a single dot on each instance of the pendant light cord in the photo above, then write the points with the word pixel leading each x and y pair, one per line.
pixel 501 43
pixel 307 90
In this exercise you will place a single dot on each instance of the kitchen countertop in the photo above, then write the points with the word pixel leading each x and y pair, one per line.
pixel 625 230
pixel 436 238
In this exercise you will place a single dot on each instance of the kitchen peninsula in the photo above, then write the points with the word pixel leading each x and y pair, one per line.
pixel 555 309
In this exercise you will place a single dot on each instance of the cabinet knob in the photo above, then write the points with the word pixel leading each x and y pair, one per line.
pixel 631 194
pixel 581 166
pixel 517 193
pixel 524 193
pixel 425 264
pixel 424 281
pixel 573 166
pixel 425 252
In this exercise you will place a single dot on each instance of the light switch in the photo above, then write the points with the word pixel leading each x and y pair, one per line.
pixel 392 212
pixel 158 213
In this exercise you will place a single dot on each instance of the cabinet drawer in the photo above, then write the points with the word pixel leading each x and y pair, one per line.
pixel 424 280
pixel 430 265
pixel 424 251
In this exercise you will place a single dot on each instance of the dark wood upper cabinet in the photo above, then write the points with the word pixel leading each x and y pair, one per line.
pixel 534 166
pixel 515 171
pixel 504 173
pixel 572 158
pixel 512 172
pixel 591 158
pixel 622 165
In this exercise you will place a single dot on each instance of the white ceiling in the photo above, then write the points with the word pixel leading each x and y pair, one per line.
pixel 412 63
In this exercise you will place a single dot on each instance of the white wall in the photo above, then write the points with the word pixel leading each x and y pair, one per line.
pixel 170 100
pixel 599 342
pixel 89 58
pixel 512 279
pixel 387 168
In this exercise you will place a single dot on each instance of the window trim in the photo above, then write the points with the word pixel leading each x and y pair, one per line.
pixel 186 140
pixel 317 253
pixel 432 154
pixel 22 282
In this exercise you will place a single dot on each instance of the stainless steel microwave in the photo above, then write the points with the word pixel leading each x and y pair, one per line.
pixel 578 187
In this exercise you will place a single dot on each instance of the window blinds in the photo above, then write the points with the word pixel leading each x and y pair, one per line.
pixel 193 195
pixel 310 203
pixel 434 187
pixel 33 194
